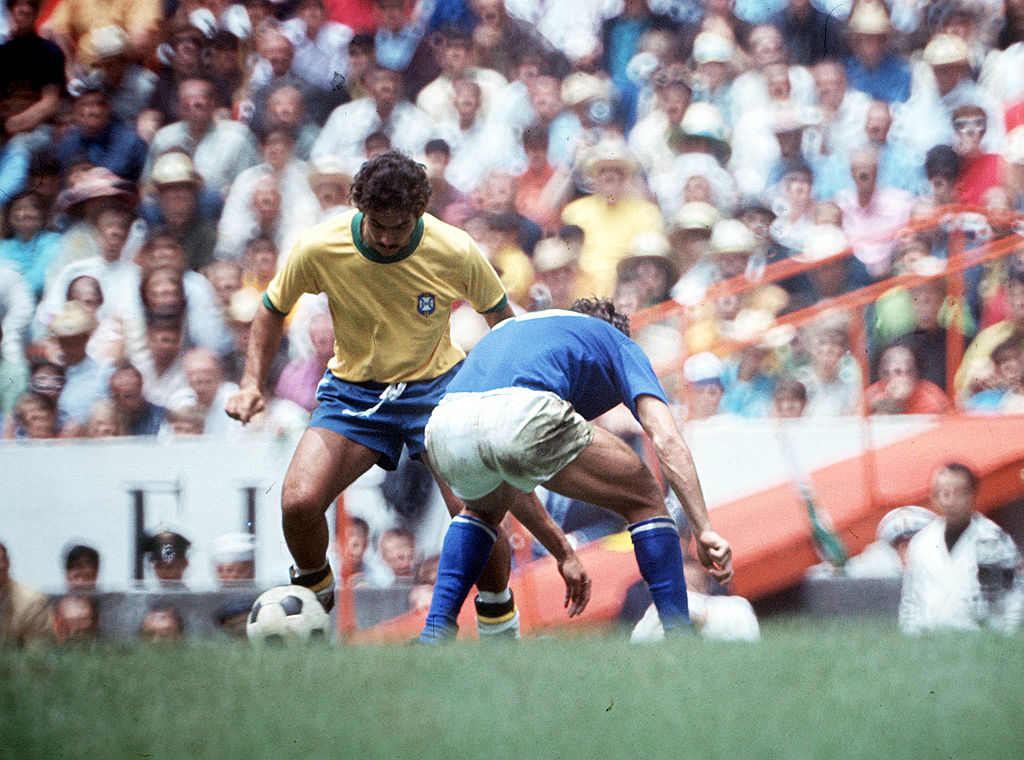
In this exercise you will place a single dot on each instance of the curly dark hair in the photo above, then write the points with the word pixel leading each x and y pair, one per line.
pixel 391 181
pixel 602 308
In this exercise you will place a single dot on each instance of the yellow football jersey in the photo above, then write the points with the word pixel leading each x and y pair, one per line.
pixel 390 314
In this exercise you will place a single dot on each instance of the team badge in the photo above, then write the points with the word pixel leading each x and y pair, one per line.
pixel 425 304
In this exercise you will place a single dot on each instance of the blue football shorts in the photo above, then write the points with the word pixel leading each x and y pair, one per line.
pixel 379 416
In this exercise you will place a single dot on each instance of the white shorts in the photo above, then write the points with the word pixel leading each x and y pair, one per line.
pixel 477 441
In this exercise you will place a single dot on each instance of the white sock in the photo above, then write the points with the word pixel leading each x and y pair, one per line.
pixel 495 597
pixel 307 571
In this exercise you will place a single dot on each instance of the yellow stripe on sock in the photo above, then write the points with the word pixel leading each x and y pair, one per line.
pixel 327 582
pixel 498 620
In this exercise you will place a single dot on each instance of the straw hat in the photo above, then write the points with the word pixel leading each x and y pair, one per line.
pixel 695 216
pixel 72 320
pixel 732 236
pixel 869 18
pixel 650 246
pixel 580 87
pixel 945 49
pixel 705 121
pixel 611 153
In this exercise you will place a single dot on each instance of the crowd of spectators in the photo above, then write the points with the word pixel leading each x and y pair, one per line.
pixel 158 159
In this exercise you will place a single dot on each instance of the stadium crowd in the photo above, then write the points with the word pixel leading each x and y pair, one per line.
pixel 158 159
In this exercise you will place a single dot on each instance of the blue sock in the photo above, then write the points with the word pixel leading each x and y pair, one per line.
pixel 465 550
pixel 656 545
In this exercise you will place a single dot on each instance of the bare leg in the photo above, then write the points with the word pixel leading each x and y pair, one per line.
pixel 325 463
pixel 499 565
pixel 608 473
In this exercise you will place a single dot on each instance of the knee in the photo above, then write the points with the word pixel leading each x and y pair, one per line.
pixel 299 504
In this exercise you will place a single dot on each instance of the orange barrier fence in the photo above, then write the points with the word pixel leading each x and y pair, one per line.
pixel 959 260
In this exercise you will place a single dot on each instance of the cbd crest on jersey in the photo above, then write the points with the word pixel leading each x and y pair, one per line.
pixel 425 304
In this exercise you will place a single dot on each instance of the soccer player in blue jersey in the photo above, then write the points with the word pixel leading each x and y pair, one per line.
pixel 391 273
pixel 517 415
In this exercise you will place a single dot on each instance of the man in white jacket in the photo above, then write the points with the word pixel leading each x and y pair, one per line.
pixel 962 568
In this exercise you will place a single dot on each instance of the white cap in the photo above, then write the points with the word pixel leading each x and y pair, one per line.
pixel 703 368
pixel 234 547
pixel 709 47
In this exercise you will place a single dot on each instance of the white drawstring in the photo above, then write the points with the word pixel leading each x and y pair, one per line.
pixel 390 393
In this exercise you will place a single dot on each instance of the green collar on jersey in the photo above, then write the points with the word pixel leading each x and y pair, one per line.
pixel 368 253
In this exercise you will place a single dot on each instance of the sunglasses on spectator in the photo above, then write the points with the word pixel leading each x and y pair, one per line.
pixel 47 383
pixel 973 124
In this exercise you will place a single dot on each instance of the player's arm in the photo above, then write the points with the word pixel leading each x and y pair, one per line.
pixel 677 465
pixel 531 513
pixel 267 330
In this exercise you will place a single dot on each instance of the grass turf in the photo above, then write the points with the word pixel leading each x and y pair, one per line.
pixel 807 690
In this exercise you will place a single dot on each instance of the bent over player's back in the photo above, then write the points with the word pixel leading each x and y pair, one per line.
pixel 584 360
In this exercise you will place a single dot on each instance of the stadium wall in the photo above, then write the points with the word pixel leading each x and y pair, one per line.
pixel 60 492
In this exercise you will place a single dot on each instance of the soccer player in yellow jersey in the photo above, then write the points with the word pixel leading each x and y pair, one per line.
pixel 391 274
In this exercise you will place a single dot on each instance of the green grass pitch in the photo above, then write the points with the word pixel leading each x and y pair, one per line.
pixel 807 690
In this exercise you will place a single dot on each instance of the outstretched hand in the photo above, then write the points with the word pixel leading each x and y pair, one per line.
pixel 577 584
pixel 715 554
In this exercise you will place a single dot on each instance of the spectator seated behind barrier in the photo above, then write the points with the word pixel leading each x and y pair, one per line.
pixel 1006 394
pixel 919 317
pixel 749 373
pixel 141 416
pixel 831 375
pixel 85 379
pixel 300 377
pixel 789 399
pixel 234 560
pixel 81 568
pixel 976 371
pixel 25 614
pixel 900 390
pixel 168 556
pixel 98 135
pixel 76 619
pixel 611 218
pixel 220 149
pixel 397 549
pixel 208 390
pixel 704 389
pixel 162 623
